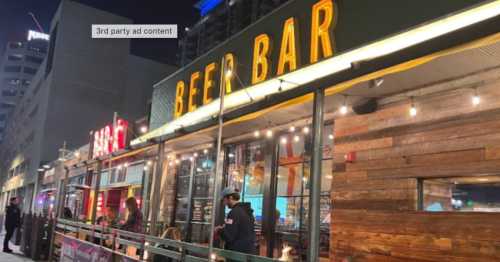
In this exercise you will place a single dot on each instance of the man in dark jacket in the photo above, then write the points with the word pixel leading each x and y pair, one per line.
pixel 12 220
pixel 238 229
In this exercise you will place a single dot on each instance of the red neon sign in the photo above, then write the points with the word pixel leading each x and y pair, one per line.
pixel 108 140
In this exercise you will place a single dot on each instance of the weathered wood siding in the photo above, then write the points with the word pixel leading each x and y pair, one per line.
pixel 375 215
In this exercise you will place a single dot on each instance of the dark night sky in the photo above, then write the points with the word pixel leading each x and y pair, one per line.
pixel 15 21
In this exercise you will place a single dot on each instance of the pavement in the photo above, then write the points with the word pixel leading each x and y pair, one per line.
pixel 15 256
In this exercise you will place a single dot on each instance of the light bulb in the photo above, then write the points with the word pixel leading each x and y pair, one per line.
pixel 292 129
pixel 343 110
pixel 144 129
pixel 413 111
pixel 476 100
pixel 296 138
pixel 330 136
pixel 256 134
pixel 205 151
pixel 195 154
pixel 305 130
pixel 284 140
pixel 269 133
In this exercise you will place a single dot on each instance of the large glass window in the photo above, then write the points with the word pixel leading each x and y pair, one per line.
pixel 194 195
pixel 292 201
pixel 246 171
pixel 462 194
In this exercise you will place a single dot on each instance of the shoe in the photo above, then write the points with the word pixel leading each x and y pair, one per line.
pixel 7 250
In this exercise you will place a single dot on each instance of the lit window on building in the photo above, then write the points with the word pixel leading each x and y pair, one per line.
pixel 462 194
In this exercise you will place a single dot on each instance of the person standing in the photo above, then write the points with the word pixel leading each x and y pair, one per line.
pixel 238 230
pixel 12 220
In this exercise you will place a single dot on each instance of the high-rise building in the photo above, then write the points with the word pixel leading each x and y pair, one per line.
pixel 20 62
pixel 221 19
pixel 79 86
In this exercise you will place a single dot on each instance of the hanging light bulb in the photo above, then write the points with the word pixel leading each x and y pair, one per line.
pixel 296 138
pixel 256 134
pixel 284 140
pixel 476 100
pixel 343 109
pixel 413 109
pixel 305 130
pixel 292 129
pixel 330 136
pixel 269 133
pixel 205 151
pixel 195 154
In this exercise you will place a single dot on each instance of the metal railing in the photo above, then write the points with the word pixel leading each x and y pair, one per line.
pixel 177 250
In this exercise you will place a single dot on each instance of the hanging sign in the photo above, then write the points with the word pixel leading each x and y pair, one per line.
pixel 110 139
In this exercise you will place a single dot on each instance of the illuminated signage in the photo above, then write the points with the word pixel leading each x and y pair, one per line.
pixel 198 90
pixel 297 44
pixel 108 139
pixel 32 35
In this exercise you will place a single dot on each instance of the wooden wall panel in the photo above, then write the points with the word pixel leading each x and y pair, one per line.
pixel 374 198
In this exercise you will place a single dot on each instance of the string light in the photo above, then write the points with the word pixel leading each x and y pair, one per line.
pixel 144 129
pixel 413 109
pixel 150 163
pixel 229 73
pixel 195 154
pixel 476 100
pixel 145 168
pixel 284 140
pixel 269 133
pixel 177 161
pixel 305 130
pixel 256 134
pixel 205 151
pixel 292 129
pixel 296 138
pixel 330 136
pixel 343 109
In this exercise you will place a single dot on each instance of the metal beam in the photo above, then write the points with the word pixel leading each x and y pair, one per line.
pixel 315 179
pixel 155 202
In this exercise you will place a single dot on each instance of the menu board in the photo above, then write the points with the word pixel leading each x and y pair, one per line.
pixel 202 210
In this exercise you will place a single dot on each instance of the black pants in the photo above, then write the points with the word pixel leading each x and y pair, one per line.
pixel 8 236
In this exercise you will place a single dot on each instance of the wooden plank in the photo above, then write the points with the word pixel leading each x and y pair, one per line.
pixel 457 169
pixel 468 143
pixel 363 145
pixel 492 153
pixel 418 160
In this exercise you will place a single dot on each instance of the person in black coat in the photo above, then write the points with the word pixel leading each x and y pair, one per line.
pixel 12 220
pixel 238 230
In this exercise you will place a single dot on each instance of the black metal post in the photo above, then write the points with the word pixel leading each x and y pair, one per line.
pixel 158 172
pixel 315 179
pixel 270 194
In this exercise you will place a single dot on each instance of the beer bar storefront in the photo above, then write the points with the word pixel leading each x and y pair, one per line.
pixel 357 130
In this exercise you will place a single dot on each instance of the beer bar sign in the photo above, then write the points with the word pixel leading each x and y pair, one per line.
pixel 110 139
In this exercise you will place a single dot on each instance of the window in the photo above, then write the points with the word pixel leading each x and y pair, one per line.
pixel 12 69
pixel 29 70
pixel 12 81
pixel 193 212
pixel 3 117
pixel 9 93
pixel 7 106
pixel 32 59
pixel 461 194
pixel 15 45
pixel 15 57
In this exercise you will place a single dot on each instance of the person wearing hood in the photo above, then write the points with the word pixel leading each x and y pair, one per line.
pixel 238 230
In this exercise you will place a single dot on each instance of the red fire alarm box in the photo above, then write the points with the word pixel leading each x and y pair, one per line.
pixel 350 157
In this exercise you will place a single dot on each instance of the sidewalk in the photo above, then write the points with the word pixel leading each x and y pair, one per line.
pixel 16 256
